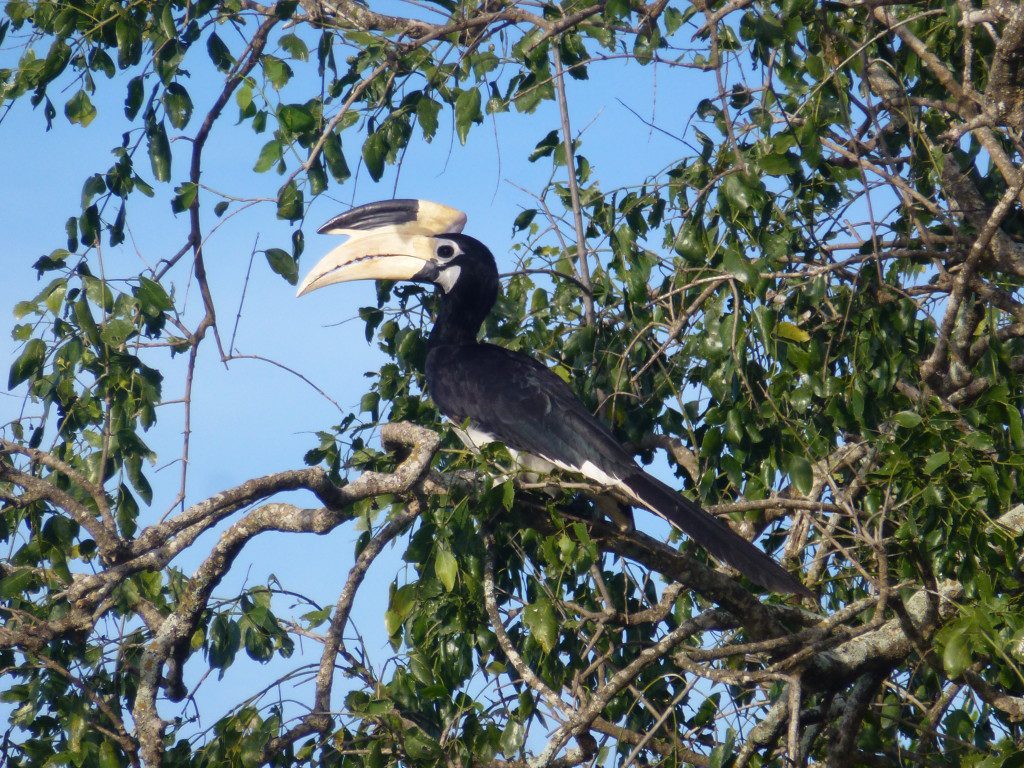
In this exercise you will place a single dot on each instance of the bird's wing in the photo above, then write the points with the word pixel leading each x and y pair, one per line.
pixel 519 402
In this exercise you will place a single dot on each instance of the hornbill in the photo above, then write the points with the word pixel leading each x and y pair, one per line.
pixel 495 394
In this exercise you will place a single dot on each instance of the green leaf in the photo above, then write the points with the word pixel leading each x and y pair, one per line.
pixel 55 298
pixel 467 112
pixel 177 105
pixel 79 109
pixel 296 118
pixel 167 25
pixel 108 757
pixel 270 156
pixel 295 46
pixel 143 186
pixel 978 441
pixel 28 364
pixel 336 158
pixel 317 177
pixel 779 165
pixel 907 419
pixel 117 228
pixel 283 264
pixel 734 431
pixel 423 749
pixel 739 266
pixel 116 331
pixel 720 755
pixel 369 403
pixel 691 243
pixel 936 461
pixel 374 151
pixel 276 70
pixel 167 59
pixel 71 229
pixel 674 19
pixel 615 10
pixel 159 151
pixel 89 225
pixel 290 202
pixel 545 147
pixel 512 738
pixel 392 622
pixel 16 583
pixel 508 494
pixel 133 100
pixel 427 111
pixel 184 196
pixel 375 758
pixel 129 40
pixel 741 192
pixel 956 655
pixel 220 55
pixel 56 61
pixel 524 219
pixel 285 9
pixel 446 568
pixel 94 185
pixel 495 105
pixel 539 618
pixel 801 473
pixel 1016 426
pixel 791 332
pixel 243 98
pixel 86 323
pixel 99 293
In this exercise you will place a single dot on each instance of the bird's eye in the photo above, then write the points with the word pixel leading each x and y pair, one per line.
pixel 445 251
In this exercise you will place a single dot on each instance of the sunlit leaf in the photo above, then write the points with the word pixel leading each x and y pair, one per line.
pixel 467 112
pixel 79 109
pixel 283 264
pixel 446 567
pixel 791 332
pixel 539 617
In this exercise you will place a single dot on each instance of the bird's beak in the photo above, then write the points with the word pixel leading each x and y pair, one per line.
pixel 375 256
pixel 389 240
pixel 421 217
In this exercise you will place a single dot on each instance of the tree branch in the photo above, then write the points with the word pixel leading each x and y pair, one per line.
pixel 180 625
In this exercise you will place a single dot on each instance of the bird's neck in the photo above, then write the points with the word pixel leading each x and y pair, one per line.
pixel 460 316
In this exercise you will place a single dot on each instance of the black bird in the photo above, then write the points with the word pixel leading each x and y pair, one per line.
pixel 502 395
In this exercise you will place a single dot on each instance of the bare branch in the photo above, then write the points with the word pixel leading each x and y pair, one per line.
pixel 522 669
pixel 574 191
pixel 180 625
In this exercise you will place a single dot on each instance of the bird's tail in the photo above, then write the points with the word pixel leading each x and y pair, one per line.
pixel 712 534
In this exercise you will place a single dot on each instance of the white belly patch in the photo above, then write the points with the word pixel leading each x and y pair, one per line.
pixel 474 439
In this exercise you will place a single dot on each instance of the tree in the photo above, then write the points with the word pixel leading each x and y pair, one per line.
pixel 812 313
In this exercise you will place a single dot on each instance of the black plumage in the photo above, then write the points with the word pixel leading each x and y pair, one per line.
pixel 517 401
pixel 502 395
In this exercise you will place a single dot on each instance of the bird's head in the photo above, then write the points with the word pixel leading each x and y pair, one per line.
pixel 403 240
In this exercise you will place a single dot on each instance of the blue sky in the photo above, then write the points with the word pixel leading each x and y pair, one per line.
pixel 252 418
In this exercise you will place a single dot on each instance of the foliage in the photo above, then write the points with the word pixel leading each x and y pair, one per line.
pixel 812 311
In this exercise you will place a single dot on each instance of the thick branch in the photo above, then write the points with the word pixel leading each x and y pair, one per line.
pixel 107 540
pixel 963 278
pixel 581 720
pixel 180 625
pixel 1008 256
pixel 888 645
pixel 1005 90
